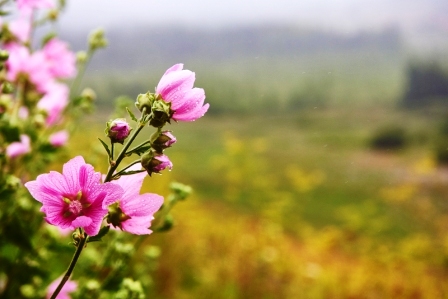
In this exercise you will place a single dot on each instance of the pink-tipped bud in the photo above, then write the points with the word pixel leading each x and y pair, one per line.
pixel 154 162
pixel 59 139
pixel 162 141
pixel 118 130
pixel 19 148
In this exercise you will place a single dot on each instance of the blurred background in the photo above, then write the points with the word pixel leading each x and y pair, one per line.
pixel 319 170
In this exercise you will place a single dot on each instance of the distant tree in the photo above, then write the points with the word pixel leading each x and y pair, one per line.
pixel 391 137
pixel 427 84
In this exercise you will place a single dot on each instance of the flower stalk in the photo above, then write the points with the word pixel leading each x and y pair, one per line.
pixel 80 246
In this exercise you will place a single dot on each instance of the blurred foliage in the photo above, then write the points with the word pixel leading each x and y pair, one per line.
pixel 441 144
pixel 427 83
pixel 389 138
pixel 295 205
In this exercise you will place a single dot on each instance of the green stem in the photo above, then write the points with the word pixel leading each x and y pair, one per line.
pixel 112 154
pixel 20 94
pixel 127 167
pixel 72 265
pixel 139 146
pixel 122 154
pixel 81 70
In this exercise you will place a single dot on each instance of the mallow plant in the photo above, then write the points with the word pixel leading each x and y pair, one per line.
pixel 40 101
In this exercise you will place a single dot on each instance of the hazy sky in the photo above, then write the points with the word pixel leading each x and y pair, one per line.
pixel 346 15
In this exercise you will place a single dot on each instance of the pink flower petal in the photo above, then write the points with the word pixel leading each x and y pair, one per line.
pixel 82 221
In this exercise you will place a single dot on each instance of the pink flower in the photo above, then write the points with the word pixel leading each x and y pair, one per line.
pixel 74 198
pixel 26 6
pixel 23 112
pixel 21 28
pixel 69 287
pixel 133 212
pixel 176 87
pixel 61 62
pixel 59 138
pixel 34 66
pixel 16 149
pixel 54 101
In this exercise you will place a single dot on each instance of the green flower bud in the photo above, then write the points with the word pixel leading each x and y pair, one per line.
pixel 7 88
pixel 88 94
pixel 81 57
pixel 97 39
pixel 180 190
pixel 12 183
pixel 39 120
pixel 145 100
pixel 4 55
pixel 162 113
pixel 5 103
pixel 53 15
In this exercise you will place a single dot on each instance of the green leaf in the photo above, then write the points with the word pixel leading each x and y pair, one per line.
pixel 139 151
pixel 10 133
pixel 106 148
pixel 103 231
pixel 131 115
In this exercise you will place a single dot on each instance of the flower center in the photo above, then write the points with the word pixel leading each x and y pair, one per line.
pixel 74 204
pixel 75 207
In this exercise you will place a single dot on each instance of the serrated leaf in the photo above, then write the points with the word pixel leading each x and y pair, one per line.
pixel 106 148
pixel 131 115
pixel 103 231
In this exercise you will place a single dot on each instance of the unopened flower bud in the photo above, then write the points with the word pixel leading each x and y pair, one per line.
pixel 88 94
pixel 12 183
pixel 162 113
pixel 144 100
pixel 167 224
pixel 7 88
pixel 118 130
pixel 59 139
pixel 4 55
pixel 5 103
pixel 53 14
pixel 162 141
pixel 180 190
pixel 39 120
pixel 97 39
pixel 154 162
pixel 81 57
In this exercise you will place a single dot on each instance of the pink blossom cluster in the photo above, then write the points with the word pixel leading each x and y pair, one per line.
pixel 78 199
pixel 43 69
pixel 38 72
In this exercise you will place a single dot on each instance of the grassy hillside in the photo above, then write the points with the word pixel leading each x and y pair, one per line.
pixel 298 206
pixel 291 200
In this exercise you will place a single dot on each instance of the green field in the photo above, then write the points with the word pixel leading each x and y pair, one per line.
pixel 290 200
pixel 296 205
